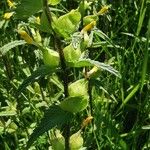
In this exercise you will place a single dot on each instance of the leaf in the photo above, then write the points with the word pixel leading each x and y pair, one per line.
pixel 8 113
pixel 67 24
pixel 53 116
pixel 28 8
pixel 89 62
pixel 40 72
pixel 44 25
pixel 146 127
pixel 4 49
pixel 130 95
pixel 53 2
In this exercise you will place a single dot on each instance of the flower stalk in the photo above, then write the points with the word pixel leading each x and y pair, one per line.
pixel 57 46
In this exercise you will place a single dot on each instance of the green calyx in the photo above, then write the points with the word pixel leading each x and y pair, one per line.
pixel 78 88
pixel 71 55
pixel 51 58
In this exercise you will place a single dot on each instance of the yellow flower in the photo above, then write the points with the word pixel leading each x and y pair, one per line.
pixel 26 36
pixel 88 27
pixel 92 71
pixel 11 4
pixel 103 10
pixel 86 121
pixel 8 15
pixel 38 20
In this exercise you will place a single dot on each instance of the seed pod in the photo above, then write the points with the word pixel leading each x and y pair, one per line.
pixel 51 58
pixel 78 88
pixel 76 141
pixel 74 104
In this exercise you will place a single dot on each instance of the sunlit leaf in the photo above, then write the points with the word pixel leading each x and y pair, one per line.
pixel 7 113
pixel 53 2
pixel 100 65
pixel 4 49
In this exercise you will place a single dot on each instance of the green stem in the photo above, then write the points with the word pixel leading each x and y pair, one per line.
pixel 90 97
pixel 57 46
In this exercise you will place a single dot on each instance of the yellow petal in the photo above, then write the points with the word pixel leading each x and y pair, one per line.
pixel 11 4
pixel 38 20
pixel 86 121
pixel 88 27
pixel 92 71
pixel 103 10
pixel 26 36
pixel 8 15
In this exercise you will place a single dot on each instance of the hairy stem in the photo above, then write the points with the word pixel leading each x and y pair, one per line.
pixel 57 46
pixel 90 96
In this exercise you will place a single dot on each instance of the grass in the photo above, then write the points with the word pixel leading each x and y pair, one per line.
pixel 121 106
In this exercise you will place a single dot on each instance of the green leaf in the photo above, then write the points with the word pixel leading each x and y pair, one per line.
pixel 53 2
pixel 53 116
pixel 4 49
pixel 67 24
pixel 123 144
pixel 146 127
pixel 44 25
pixel 8 113
pixel 130 95
pixel 28 8
pixel 40 72
pixel 89 62
pixel 74 104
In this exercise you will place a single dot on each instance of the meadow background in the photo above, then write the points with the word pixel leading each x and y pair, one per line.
pixel 120 105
